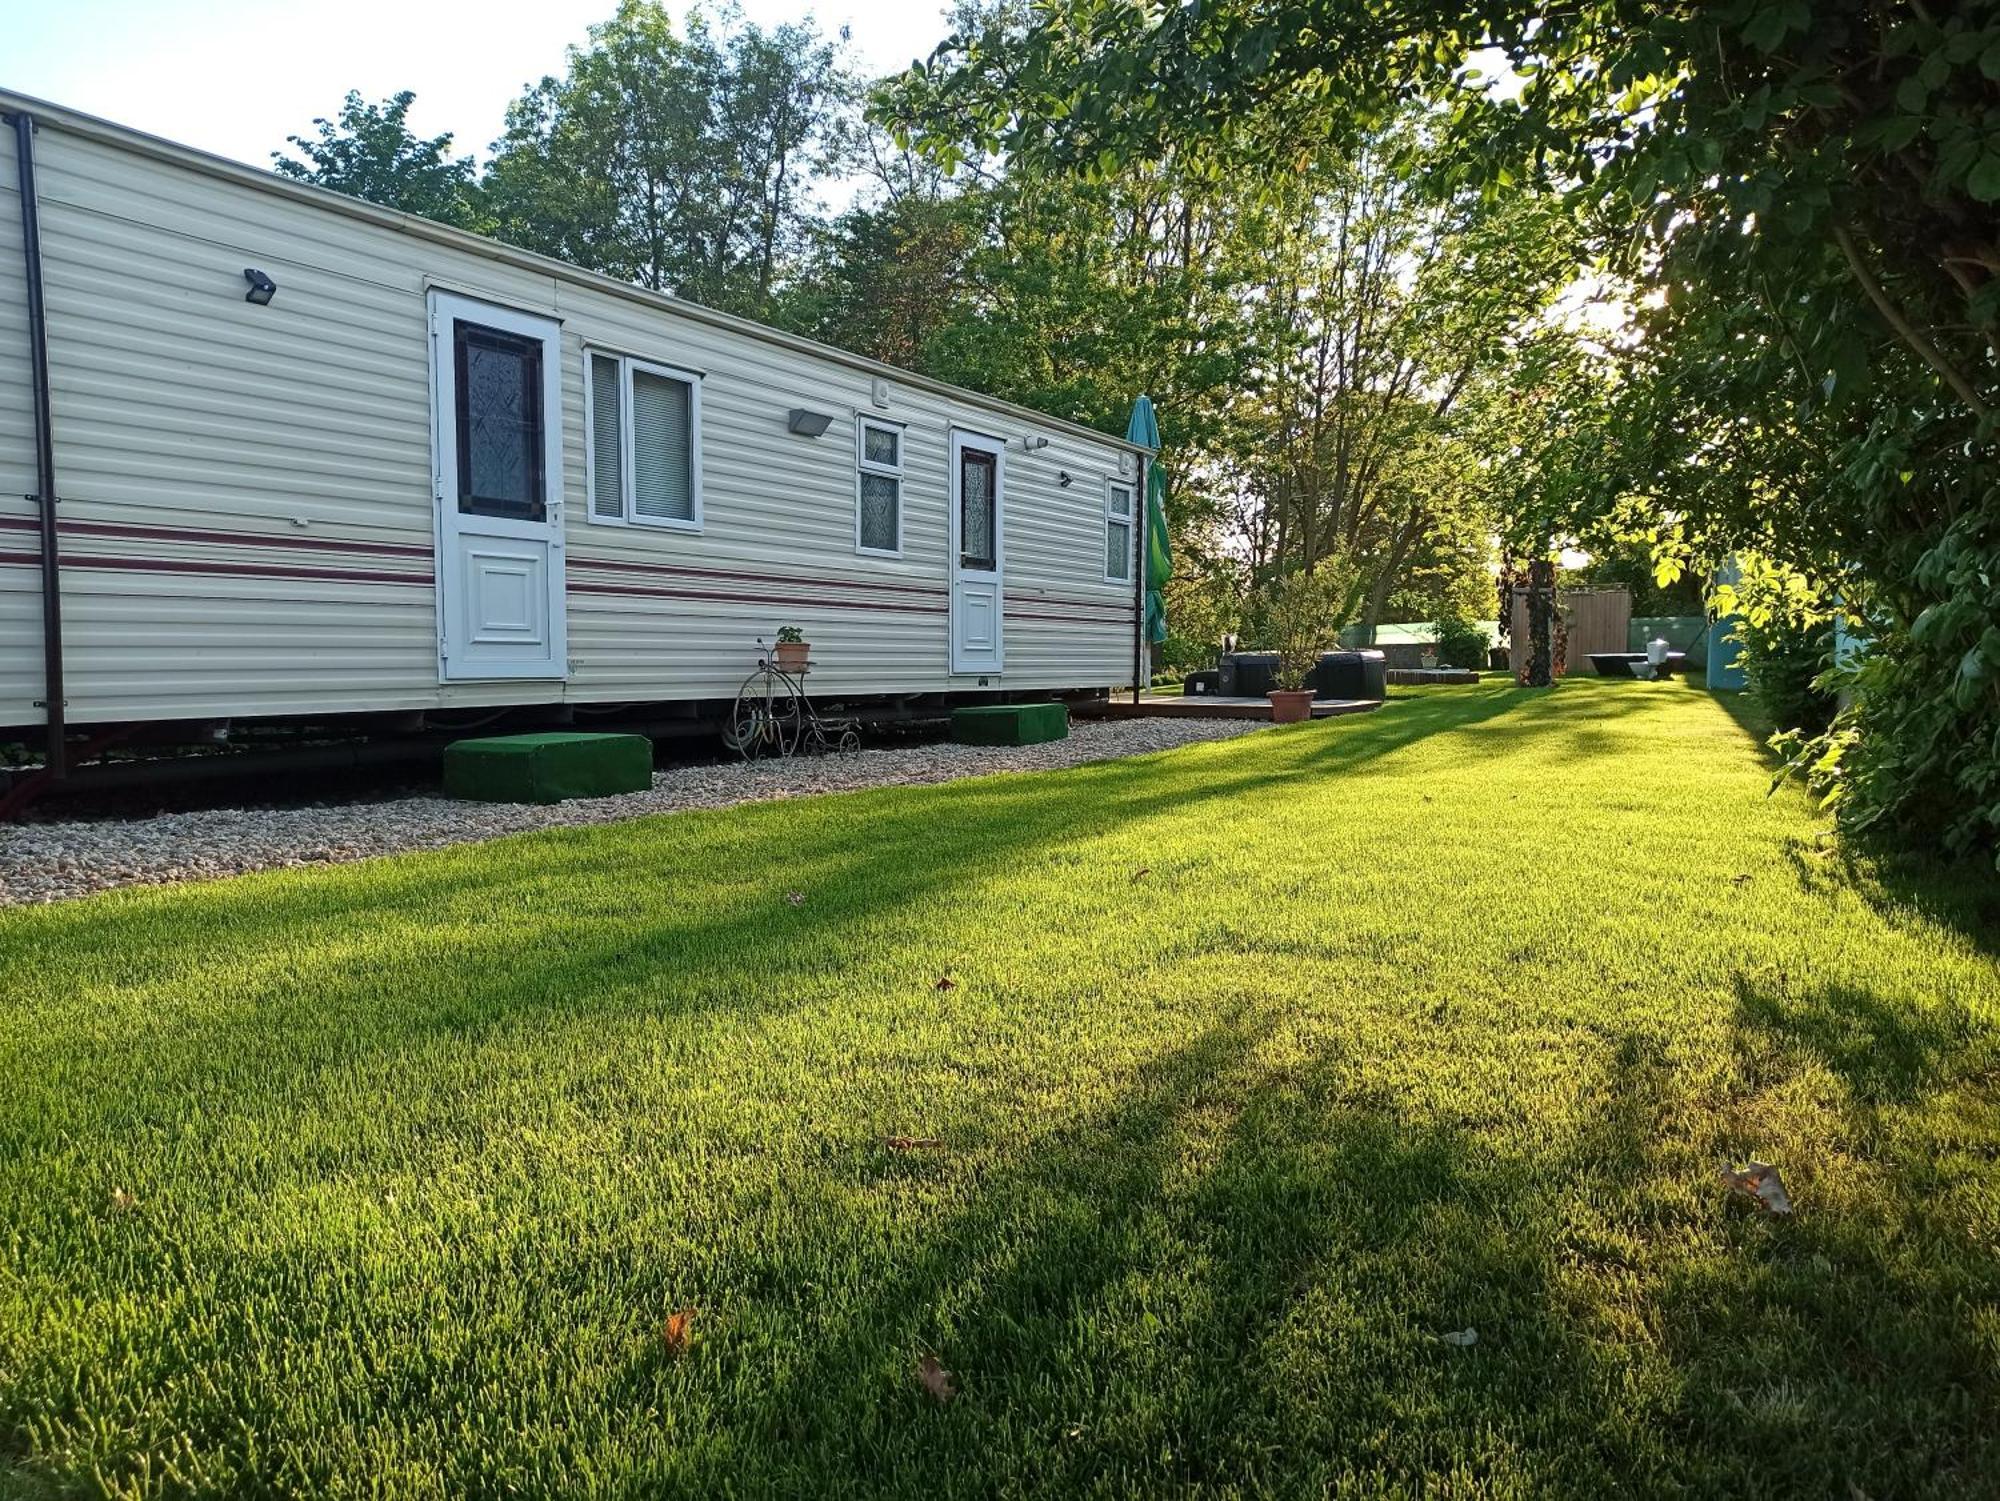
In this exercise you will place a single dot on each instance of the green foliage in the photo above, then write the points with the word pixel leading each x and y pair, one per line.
pixel 684 159
pixel 1785 627
pixel 419 1154
pixel 1621 559
pixel 1204 604
pixel 790 635
pixel 1785 662
pixel 369 152
pixel 1461 642
pixel 1919 751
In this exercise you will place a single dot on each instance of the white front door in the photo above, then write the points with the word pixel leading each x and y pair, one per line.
pixel 978 552
pixel 496 423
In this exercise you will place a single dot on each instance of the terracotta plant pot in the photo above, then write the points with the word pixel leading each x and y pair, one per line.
pixel 1290 705
pixel 793 655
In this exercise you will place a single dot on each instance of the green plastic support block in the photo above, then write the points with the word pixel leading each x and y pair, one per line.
pixel 547 768
pixel 1010 724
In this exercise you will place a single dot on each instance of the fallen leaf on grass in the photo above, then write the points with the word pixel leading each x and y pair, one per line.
pixel 675 1335
pixel 912 1143
pixel 945 982
pixel 122 1201
pixel 1759 1183
pixel 796 898
pixel 1142 872
pixel 1740 878
pixel 935 1379
pixel 1460 1337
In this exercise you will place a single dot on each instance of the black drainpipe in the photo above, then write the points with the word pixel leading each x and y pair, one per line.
pixel 45 447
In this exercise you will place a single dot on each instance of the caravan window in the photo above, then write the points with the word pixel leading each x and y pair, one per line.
pixel 1117 533
pixel 498 386
pixel 878 496
pixel 644 435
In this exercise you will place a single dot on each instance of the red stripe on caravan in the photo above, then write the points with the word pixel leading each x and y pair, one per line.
pixel 641 592
pixel 1070 619
pixel 72 564
pixel 355 575
pixel 132 533
pixel 136 533
pixel 606 565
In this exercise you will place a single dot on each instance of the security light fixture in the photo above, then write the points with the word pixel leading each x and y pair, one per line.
pixel 1031 443
pixel 262 288
pixel 808 424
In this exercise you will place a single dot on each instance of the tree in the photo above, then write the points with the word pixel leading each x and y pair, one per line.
pixel 369 152
pixel 893 278
pixel 685 161
pixel 1390 306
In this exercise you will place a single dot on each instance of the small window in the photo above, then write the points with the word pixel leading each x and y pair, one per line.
pixel 645 443
pixel 498 382
pixel 1118 518
pixel 978 510
pixel 878 518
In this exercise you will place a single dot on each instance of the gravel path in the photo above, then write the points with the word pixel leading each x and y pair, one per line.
pixel 47 862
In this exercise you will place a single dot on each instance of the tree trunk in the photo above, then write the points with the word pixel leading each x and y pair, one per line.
pixel 1385 580
pixel 1541 623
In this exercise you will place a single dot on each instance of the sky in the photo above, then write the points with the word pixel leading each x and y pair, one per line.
pixel 237 78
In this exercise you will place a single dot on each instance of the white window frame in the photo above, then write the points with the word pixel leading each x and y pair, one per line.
pixel 1130 521
pixel 898 472
pixel 628 514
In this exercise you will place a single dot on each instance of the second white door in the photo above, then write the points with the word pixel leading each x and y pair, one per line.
pixel 978 553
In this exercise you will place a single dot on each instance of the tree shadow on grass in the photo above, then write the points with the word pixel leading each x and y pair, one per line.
pixel 1234 1279
pixel 1231 1279
pixel 1905 888
pixel 1867 1299
pixel 1962 896
pixel 1885 1053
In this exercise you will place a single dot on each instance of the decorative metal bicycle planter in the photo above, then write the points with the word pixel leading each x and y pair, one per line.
pixel 773 716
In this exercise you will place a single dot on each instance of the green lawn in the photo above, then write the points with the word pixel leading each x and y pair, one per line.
pixel 1444 1017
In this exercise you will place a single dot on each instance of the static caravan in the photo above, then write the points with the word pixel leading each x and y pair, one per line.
pixel 271 453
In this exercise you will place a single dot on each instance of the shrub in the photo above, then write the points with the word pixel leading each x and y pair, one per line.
pixel 1784 660
pixel 1461 643
pixel 1784 623
pixel 1302 615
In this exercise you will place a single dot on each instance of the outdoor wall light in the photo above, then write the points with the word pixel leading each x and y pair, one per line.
pixel 808 424
pixel 1030 444
pixel 262 288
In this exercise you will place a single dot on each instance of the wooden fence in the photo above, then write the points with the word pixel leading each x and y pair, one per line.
pixel 1598 620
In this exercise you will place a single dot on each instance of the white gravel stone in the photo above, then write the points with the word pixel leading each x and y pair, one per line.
pixel 46 862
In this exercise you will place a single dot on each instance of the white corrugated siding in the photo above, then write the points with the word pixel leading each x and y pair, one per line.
pixel 293 443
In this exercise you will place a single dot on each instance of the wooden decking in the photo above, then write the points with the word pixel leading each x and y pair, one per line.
pixel 1208 706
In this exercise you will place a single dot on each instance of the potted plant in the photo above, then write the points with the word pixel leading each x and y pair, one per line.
pixel 1303 611
pixel 793 649
pixel 1428 659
